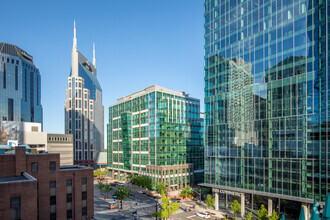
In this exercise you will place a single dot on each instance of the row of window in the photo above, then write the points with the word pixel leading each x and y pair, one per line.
pixel 34 166
pixel 59 138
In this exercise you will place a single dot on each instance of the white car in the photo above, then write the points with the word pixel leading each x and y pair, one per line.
pixel 203 214
pixel 140 192
pixel 120 184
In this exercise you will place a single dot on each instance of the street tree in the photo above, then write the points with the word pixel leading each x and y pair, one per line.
pixel 249 216
pixel 107 188
pixel 209 202
pixel 236 208
pixel 122 193
pixel 167 208
pixel 100 185
pixel 262 213
pixel 186 192
pixel 274 216
pixel 161 187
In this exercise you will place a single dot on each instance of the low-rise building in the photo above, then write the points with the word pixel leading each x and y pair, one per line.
pixel 36 186
pixel 13 133
pixel 62 144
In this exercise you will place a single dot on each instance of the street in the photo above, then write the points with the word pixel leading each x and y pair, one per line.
pixel 141 203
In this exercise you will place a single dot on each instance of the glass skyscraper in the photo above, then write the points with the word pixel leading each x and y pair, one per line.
pixel 20 86
pixel 158 133
pixel 84 112
pixel 266 98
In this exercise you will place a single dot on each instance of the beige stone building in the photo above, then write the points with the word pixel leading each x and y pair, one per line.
pixel 62 144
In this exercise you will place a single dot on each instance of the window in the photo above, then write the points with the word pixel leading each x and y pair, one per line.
pixel 16 77
pixel 69 214
pixel 83 181
pixel 4 75
pixel 12 61
pixel 52 184
pixel 53 200
pixel 69 182
pixel 34 167
pixel 69 197
pixel 15 208
pixel 83 196
pixel 53 216
pixel 52 166
pixel 84 211
pixel 25 88
pixel 37 89
pixel 10 110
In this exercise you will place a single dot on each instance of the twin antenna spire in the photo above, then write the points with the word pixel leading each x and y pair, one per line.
pixel 74 46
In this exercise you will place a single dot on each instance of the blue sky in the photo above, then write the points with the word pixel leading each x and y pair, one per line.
pixel 138 43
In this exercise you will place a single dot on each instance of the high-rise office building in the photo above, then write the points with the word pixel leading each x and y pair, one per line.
pixel 266 101
pixel 20 86
pixel 84 112
pixel 156 132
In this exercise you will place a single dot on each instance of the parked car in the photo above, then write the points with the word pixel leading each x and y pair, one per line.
pixel 120 184
pixel 203 214
pixel 140 192
pixel 112 205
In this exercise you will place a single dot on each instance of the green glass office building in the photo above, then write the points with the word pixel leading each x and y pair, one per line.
pixel 266 98
pixel 158 133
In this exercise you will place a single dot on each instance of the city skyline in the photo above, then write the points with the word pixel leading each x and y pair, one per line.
pixel 126 42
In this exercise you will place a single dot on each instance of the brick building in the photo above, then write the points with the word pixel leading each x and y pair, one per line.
pixel 35 186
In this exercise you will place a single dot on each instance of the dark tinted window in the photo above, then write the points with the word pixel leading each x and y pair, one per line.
pixel 69 197
pixel 84 195
pixel 84 211
pixel 52 166
pixel 53 200
pixel 69 182
pixel 52 184
pixel 34 167
pixel 15 208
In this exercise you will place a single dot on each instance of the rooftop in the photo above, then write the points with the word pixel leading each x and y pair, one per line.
pixel 73 167
pixel 154 88
pixel 24 177
pixel 14 50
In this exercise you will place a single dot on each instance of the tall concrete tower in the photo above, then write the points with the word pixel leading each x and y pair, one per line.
pixel 84 112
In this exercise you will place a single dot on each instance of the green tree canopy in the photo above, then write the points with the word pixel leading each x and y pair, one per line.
pixel 142 181
pixel 236 208
pixel 249 216
pixel 100 185
pixel 209 202
pixel 161 187
pixel 274 216
pixel 262 213
pixel 186 191
pixel 167 208
pixel 107 188
pixel 122 193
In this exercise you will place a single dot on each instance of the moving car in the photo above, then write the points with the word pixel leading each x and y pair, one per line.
pixel 203 214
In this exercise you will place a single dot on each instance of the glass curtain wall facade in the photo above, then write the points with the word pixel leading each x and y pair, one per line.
pixel 20 86
pixel 156 132
pixel 84 112
pixel 266 97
